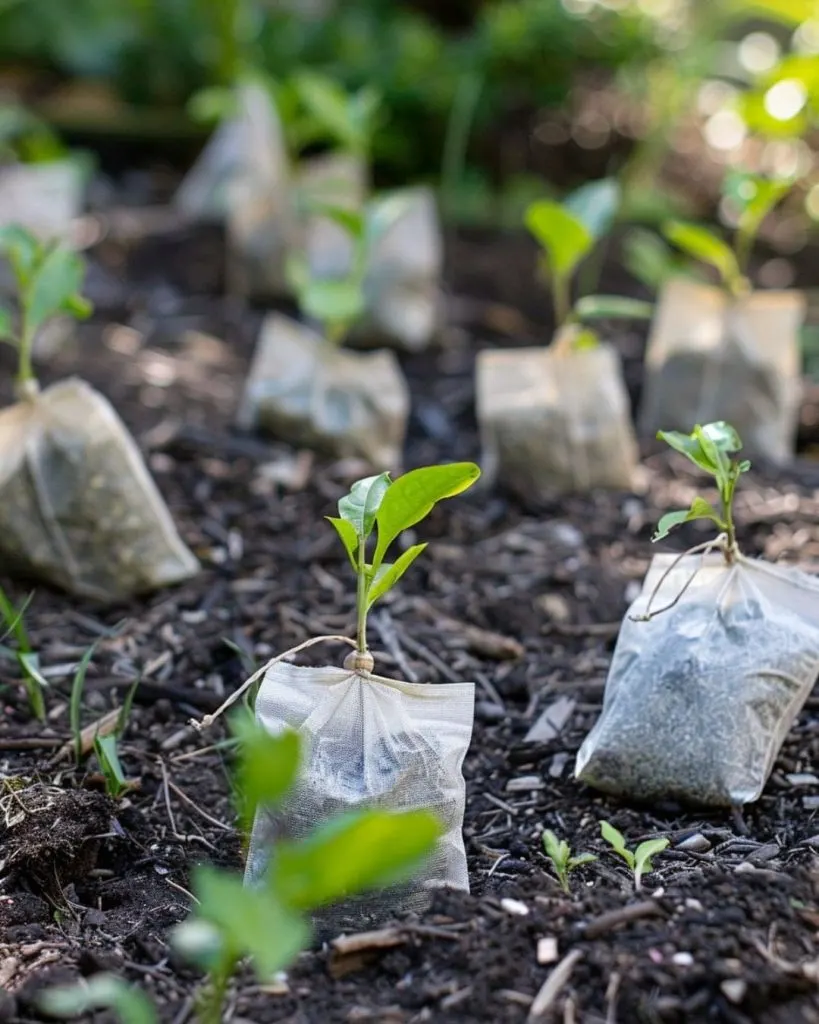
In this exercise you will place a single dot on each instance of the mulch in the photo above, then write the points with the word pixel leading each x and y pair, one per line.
pixel 524 601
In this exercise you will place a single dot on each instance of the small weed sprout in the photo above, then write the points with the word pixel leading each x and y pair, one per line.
pixel 48 278
pixel 710 448
pixel 28 660
pixel 348 855
pixel 639 860
pixel 349 120
pixel 566 233
pixel 753 197
pixel 559 853
pixel 390 507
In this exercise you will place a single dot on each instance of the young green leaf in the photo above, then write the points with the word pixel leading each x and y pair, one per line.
pixel 388 574
pixel 412 497
pixel 357 852
pixel 359 507
pixel 700 509
pixel 333 302
pixel 56 282
pixel 349 539
pixel 127 704
pixel 611 307
pixel 267 765
pixel 23 250
pixel 100 992
pixel 595 204
pixel 704 245
pixel 251 922
pixel 563 236
pixel 35 682
pixel 643 857
pixel 617 842
pixel 351 221
pixel 105 747
pixel 688 445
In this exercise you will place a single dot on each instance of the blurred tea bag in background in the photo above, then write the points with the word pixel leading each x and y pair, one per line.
pixel 714 357
pixel 337 180
pixel 555 419
pixel 78 507
pixel 310 392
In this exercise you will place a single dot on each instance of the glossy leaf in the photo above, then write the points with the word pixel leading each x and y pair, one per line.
pixel 412 497
pixel 251 922
pixel 349 539
pixel 704 245
pixel 389 575
pixel 105 747
pixel 700 509
pixel 645 852
pixel 564 238
pixel 267 765
pixel 359 507
pixel 690 446
pixel 100 992
pixel 612 307
pixel 595 204
pixel 23 249
pixel 352 854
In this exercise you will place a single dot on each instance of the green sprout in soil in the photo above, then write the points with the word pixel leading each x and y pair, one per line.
pixel 752 197
pixel 389 507
pixel 567 233
pixel 49 277
pixel 639 860
pixel 559 853
pixel 712 448
pixel 23 653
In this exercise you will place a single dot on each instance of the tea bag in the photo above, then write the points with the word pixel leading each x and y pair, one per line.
pixel 403 283
pixel 714 357
pixel 45 198
pixel 309 392
pixel 335 180
pixel 204 191
pixel 555 419
pixel 77 505
pixel 699 699
pixel 260 219
pixel 369 743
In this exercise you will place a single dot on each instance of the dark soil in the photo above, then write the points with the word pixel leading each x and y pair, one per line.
pixel 724 930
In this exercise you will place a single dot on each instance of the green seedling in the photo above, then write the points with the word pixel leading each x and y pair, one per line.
pixel 639 860
pixel 390 507
pixel 559 853
pixel 712 448
pixel 23 653
pixel 349 855
pixel 48 278
pixel 101 992
pixel 753 198
pixel 567 233
pixel 349 120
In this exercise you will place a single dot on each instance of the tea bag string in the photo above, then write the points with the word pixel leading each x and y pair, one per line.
pixel 207 721
pixel 718 543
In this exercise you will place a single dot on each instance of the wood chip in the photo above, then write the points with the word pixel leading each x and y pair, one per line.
pixel 623 915
pixel 102 727
pixel 551 721
pixel 734 990
pixel 551 988
pixel 350 953
pixel 515 907
pixel 525 784
pixel 547 950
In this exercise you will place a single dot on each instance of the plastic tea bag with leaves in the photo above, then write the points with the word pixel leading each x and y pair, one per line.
pixel 371 741
pixel 727 351
pixel 77 505
pixel 714 660
pixel 558 418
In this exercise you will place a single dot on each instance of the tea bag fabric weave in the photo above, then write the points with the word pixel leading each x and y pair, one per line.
pixel 78 507
pixel 699 699
pixel 368 743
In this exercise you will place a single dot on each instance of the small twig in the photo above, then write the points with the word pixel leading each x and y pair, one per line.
pixel 389 637
pixel 168 808
pixel 552 986
pixel 622 915
pixel 429 657
pixel 183 796
pixel 30 743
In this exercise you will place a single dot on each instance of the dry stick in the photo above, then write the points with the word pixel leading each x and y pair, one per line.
pixel 208 720
pixel 184 796
pixel 552 986
pixel 168 807
pixel 719 542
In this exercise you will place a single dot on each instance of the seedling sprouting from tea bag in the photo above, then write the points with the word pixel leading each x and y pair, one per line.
pixel 49 277
pixel 729 350
pixel 559 417
pixel 390 507
pixel 77 505
pixel 713 662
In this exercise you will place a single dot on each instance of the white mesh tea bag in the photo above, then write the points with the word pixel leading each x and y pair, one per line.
pixel 78 507
pixel 711 356
pixel 555 420
pixel 308 391
pixel 368 742
pixel 699 699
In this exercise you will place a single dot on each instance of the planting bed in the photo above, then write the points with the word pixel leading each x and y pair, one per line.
pixel 526 602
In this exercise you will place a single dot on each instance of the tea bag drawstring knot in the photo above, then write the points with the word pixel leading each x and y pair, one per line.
pixel 719 543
